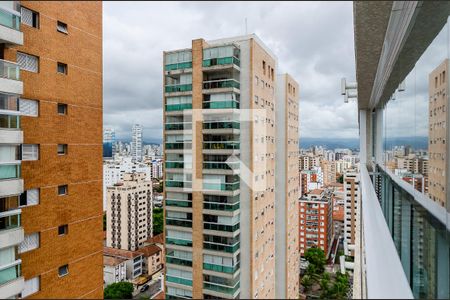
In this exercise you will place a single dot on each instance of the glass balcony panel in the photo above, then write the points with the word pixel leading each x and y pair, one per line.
pixel 8 19
pixel 221 165
pixel 220 104
pixel 178 203
pixel 221 247
pixel 221 186
pixel 179 242
pixel 222 83
pixel 179 280
pixel 179 66
pixel 9 171
pixel 221 227
pixel 9 203
pixel 178 126
pixel 174 165
pixel 221 145
pixel 221 61
pixel 9 102
pixel 9 274
pixel 182 223
pixel 221 288
pixel 10 221
pixel 178 261
pixel 173 88
pixel 9 122
pixel 9 70
pixel 221 206
pixel 220 268
pixel 178 184
pixel 178 145
pixel 177 107
pixel 221 125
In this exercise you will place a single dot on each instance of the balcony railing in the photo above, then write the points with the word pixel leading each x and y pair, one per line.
pixel 9 19
pixel 221 247
pixel 222 83
pixel 9 122
pixel 178 203
pixel 9 102
pixel 178 184
pixel 221 288
pixel 177 107
pixel 178 126
pixel 212 165
pixel 178 261
pixel 179 242
pixel 174 165
pixel 10 171
pixel 178 145
pixel 220 268
pixel 179 66
pixel 221 61
pixel 179 280
pixel 10 219
pixel 221 206
pixel 173 88
pixel 222 125
pixel 9 70
pixel 220 104
pixel 179 222
pixel 232 186
pixel 225 145
pixel 221 227
pixel 10 271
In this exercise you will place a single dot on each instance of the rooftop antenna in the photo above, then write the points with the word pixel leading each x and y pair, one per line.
pixel 246 26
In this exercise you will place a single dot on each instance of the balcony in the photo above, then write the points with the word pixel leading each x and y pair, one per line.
pixel 10 23
pixel 221 247
pixel 213 165
pixel 221 227
pixel 179 145
pixel 232 186
pixel 178 66
pixel 179 280
pixel 221 206
pixel 221 127
pixel 178 203
pixel 220 268
pixel 179 222
pixel 178 88
pixel 220 104
pixel 9 171
pixel 11 232
pixel 178 126
pixel 221 145
pixel 10 78
pixel 178 261
pixel 11 281
pixel 220 84
pixel 221 288
pixel 178 184
pixel 221 61
pixel 175 165
pixel 178 107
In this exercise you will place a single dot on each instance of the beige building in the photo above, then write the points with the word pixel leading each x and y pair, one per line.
pixel 329 172
pixel 413 164
pixel 308 161
pixel 351 206
pixel 438 132
pixel 129 212
pixel 219 213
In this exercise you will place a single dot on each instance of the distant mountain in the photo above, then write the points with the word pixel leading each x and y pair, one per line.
pixel 419 142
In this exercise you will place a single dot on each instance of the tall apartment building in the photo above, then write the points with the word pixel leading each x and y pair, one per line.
pixel 352 198
pixel 316 220
pixel 51 173
pixel 309 161
pixel 109 142
pixel 329 172
pixel 438 132
pixel 220 169
pixel 136 142
pixel 129 212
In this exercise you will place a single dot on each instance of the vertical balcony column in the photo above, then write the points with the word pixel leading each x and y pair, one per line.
pixel 364 143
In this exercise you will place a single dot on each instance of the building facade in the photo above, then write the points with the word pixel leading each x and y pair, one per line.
pixel 316 220
pixel 329 172
pixel 129 212
pixel 49 88
pixel 220 216
pixel 351 206
pixel 136 142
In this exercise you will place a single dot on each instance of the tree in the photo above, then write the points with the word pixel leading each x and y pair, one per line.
pixel 341 179
pixel 158 187
pixel 119 290
pixel 316 258
pixel 158 221
pixel 307 282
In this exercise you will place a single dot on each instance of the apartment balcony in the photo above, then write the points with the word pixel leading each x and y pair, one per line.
pixel 179 280
pixel 178 203
pixel 11 232
pixel 175 165
pixel 221 147
pixel 221 63
pixel 178 261
pixel 10 78
pixel 177 147
pixel 10 181
pixel 178 107
pixel 221 127
pixel 221 268
pixel 221 227
pixel 221 86
pixel 179 222
pixel 178 89
pixel 221 247
pixel 11 281
pixel 177 128
pixel 223 289
pixel 229 207
pixel 221 168
pixel 10 23
pixel 212 186
pixel 178 184
pixel 178 68
pixel 232 104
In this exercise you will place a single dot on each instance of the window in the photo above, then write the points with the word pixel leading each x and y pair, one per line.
pixel 29 17
pixel 30 152
pixel 62 68
pixel 63 229
pixel 30 242
pixel 31 286
pixel 28 62
pixel 62 109
pixel 62 27
pixel 62 149
pixel 63 270
pixel 264 66
pixel 29 107
pixel 29 197
pixel 62 189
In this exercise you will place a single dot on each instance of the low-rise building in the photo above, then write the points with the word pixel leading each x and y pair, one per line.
pixel 133 261
pixel 153 260
pixel 114 270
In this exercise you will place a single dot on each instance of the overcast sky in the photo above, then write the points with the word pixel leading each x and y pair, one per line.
pixel 312 40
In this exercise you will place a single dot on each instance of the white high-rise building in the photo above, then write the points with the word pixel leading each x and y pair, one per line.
pixel 351 208
pixel 136 142
pixel 129 212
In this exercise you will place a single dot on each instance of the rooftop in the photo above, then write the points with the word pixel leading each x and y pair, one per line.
pixel 120 253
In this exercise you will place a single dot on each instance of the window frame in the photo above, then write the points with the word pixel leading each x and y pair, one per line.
pixel 64 65
pixel 63 25
pixel 34 13
pixel 66 266
pixel 65 228
pixel 66 189
pixel 65 149
pixel 66 109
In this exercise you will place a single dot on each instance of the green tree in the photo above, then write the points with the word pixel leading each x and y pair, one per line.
pixel 158 187
pixel 119 290
pixel 158 221
pixel 307 282
pixel 341 179
pixel 340 287
pixel 316 258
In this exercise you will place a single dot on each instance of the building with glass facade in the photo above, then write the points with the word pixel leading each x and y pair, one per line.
pixel 222 100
